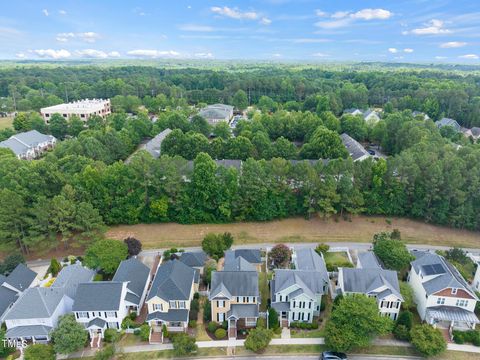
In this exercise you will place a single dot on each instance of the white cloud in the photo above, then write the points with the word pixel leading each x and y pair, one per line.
pixel 20 55
pixel 148 53
pixel 45 12
pixel 372 14
pixel 52 54
pixel 345 18
pixel 62 12
pixel 277 55
pixel 453 44
pixel 204 55
pixel 440 57
pixel 318 54
pixel 265 21
pixel 114 54
pixel 408 50
pixel 393 50
pixel 196 28
pixel 470 57
pixel 234 13
pixel 89 37
pixel 91 53
pixel 320 13
pixel 433 27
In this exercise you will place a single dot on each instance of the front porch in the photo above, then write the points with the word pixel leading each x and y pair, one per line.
pixel 96 330
pixel 241 316
pixel 451 318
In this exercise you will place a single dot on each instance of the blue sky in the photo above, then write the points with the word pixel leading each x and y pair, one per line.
pixel 325 30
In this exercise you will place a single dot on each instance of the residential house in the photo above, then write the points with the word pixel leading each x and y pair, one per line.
pixel 137 276
pixel 251 256
pixel 373 282
pixel 371 116
pixel 101 305
pixel 474 132
pixel 353 111
pixel 354 148
pixel 170 296
pixel 13 285
pixel 235 298
pixel 38 309
pixel 448 122
pixel 442 295
pixel 420 115
pixel 476 279
pixel 154 146
pixel 194 259
pixel 216 113
pixel 29 145
pixel 368 260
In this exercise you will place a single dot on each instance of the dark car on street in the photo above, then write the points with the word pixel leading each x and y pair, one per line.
pixel 371 152
pixel 332 355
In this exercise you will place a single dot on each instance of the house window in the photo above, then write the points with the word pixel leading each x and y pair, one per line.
pixel 247 298
pixel 110 314
pixel 440 301
pixel 173 304
pixel 181 304
pixel 294 303
pixel 238 299
pixel 462 303
pixel 82 314
pixel 112 325
pixel 454 291
pixel 220 303
pixel 280 298
pixel 220 317
pixel 157 307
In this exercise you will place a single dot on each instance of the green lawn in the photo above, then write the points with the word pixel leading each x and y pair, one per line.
pixel 335 259
pixel 6 122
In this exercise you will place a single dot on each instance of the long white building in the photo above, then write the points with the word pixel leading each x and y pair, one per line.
pixel 83 109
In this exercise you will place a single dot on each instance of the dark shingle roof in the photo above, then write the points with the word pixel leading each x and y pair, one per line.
pixel 253 256
pixel 308 259
pixel 7 298
pixel 98 296
pixel 29 330
pixel 37 302
pixel 309 281
pixel 70 276
pixel 368 260
pixel 194 258
pixel 354 148
pixel 135 273
pixel 97 322
pixel 234 283
pixel 21 277
pixel 237 264
pixel 367 281
pixel 240 311
pixel 173 281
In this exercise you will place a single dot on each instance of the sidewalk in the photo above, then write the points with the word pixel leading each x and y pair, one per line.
pixel 232 343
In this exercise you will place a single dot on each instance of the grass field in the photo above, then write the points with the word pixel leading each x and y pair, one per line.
pixel 5 122
pixel 359 229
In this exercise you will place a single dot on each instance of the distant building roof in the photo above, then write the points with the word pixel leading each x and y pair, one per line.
pixel 216 112
pixel 173 281
pixel 448 122
pixel 76 106
pixel 194 258
pixel 21 277
pixel 253 256
pixel 98 296
pixel 136 274
pixel 237 264
pixel 20 143
pixel 354 148
pixel 154 145
pixel 475 131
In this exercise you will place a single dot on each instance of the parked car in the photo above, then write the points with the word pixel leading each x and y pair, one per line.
pixel 332 355
pixel 371 152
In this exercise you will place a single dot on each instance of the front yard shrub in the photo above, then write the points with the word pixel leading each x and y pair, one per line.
pixel 405 318
pixel 470 336
pixel 39 352
pixel 192 323
pixel 304 325
pixel 144 332
pixel 194 308
pixel 258 339
pixel 183 344
pixel 132 315
pixel 225 325
pixel 273 321
pixel 212 326
pixel 261 322
pixel 111 335
pixel 220 333
pixel 401 333
pixel 106 353
pixel 427 340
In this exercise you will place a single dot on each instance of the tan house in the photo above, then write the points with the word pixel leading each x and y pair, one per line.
pixel 235 298
pixel 168 302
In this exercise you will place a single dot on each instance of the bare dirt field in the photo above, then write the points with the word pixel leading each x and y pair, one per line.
pixel 6 122
pixel 359 229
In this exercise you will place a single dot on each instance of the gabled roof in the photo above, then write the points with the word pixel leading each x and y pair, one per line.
pixel 7 298
pixel 194 258
pixel 309 280
pixel 475 131
pixel 368 260
pixel 136 274
pixel 173 281
pixel 253 256
pixel 21 277
pixel 237 264
pixel 445 275
pixel 309 260
pixel 70 276
pixel 370 281
pixel 240 311
pixel 27 331
pixel 448 122
pixel 97 323
pixel 236 283
pixel 21 142
pixel 369 112
pixel 98 296
pixel 36 303
pixel 154 145
pixel 354 148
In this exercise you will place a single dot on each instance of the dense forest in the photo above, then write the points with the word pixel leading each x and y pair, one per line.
pixel 85 183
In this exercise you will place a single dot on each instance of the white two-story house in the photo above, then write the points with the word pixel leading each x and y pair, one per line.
pixel 100 305
pixel 297 294
pixel 442 295
pixel 38 309
pixel 373 282
pixel 169 299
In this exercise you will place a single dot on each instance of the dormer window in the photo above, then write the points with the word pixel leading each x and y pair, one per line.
pixel 454 291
